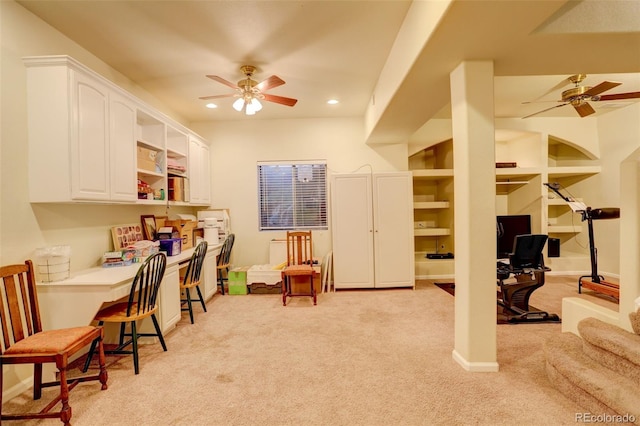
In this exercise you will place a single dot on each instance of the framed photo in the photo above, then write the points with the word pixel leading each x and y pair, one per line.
pixel 124 235
pixel 149 226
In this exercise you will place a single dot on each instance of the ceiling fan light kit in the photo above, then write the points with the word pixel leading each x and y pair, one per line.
pixel 249 92
pixel 579 96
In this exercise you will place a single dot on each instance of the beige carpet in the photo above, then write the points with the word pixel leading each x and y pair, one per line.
pixel 357 358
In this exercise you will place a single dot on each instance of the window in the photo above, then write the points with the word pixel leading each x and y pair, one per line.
pixel 292 195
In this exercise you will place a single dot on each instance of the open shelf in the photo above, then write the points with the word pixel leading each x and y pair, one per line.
pixel 431 205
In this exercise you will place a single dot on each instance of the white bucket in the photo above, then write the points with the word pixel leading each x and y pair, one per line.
pixel 211 235
pixel 52 263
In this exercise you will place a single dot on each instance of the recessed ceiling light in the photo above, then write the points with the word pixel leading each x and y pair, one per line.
pixel 211 106
pixel 333 101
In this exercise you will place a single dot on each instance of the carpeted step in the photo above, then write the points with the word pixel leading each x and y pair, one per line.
pixel 592 385
pixel 612 346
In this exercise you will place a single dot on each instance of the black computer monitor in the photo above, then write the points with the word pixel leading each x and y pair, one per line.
pixel 507 228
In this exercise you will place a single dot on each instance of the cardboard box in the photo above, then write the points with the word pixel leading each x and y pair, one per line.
pixel 185 228
pixel 238 280
pixel 171 246
pixel 147 159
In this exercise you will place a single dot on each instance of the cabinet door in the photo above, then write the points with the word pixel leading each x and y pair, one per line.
pixel 169 299
pixel 122 148
pixel 89 139
pixel 393 229
pixel 210 274
pixel 199 171
pixel 205 192
pixel 195 170
pixel 352 231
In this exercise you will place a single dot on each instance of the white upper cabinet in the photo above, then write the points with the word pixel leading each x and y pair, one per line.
pixel 87 138
pixel 81 145
pixel 122 151
pixel 199 171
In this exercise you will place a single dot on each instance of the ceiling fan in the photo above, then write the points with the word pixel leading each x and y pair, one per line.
pixel 578 96
pixel 249 92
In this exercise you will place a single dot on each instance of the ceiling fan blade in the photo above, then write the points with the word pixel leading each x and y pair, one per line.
pixel 545 110
pixel 616 96
pixel 584 109
pixel 217 96
pixel 602 87
pixel 280 99
pixel 270 83
pixel 223 81
pixel 553 89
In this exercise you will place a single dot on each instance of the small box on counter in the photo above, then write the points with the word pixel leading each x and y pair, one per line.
pixel 185 228
pixel 116 258
pixel 172 246
pixel 168 232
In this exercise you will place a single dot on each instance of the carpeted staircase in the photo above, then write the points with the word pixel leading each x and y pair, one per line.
pixel 600 371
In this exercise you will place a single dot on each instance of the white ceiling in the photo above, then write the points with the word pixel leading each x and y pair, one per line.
pixel 337 49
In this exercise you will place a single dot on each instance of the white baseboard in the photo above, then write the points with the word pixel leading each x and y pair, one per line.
pixel 475 367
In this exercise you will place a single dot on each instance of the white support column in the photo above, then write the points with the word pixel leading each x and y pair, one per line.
pixel 475 215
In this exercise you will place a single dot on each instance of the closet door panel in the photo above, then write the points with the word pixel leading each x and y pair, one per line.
pixel 393 229
pixel 352 231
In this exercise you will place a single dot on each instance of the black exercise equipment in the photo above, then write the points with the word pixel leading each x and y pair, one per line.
pixel 595 281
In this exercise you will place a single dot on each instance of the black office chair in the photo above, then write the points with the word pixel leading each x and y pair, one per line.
pixel 526 264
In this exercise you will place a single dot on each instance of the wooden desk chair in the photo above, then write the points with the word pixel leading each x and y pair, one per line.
pixel 223 263
pixel 24 342
pixel 299 264
pixel 192 278
pixel 141 303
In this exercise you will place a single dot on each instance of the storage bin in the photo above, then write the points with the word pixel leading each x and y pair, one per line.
pixel 53 263
pixel 172 246
pixel 238 281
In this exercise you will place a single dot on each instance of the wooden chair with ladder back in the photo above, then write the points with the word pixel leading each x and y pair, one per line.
pixel 224 261
pixel 141 303
pixel 192 279
pixel 25 342
pixel 299 264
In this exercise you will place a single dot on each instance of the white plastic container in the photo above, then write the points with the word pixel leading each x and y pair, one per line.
pixel 52 263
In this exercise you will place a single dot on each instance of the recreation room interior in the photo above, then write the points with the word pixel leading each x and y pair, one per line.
pixel 484 108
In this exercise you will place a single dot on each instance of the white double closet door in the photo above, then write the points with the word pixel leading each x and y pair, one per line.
pixel 372 230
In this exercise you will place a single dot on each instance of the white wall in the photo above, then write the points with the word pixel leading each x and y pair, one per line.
pixel 235 149
pixel 23 226
pixel 619 135
pixel 237 146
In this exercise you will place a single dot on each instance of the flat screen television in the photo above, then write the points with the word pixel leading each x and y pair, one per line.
pixel 507 228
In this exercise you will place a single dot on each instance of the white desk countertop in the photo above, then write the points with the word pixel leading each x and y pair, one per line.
pixel 74 302
pixel 100 276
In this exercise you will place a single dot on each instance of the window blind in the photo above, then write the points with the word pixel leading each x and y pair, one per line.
pixel 292 195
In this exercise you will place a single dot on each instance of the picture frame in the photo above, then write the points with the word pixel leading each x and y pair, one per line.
pixel 149 226
pixel 125 235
